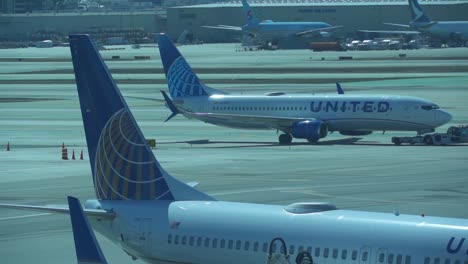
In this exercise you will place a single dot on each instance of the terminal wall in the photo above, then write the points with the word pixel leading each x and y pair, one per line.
pixel 21 27
pixel 352 16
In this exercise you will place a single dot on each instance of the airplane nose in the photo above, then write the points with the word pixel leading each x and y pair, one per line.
pixel 443 117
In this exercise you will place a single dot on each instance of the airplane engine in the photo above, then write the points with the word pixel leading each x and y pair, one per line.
pixel 355 133
pixel 312 130
pixel 325 34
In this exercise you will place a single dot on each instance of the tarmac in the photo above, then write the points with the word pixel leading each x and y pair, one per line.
pixel 40 110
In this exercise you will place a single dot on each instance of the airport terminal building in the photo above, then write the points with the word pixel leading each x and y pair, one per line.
pixel 351 14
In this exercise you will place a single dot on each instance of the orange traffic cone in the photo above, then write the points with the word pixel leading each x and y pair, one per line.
pixel 8 146
pixel 73 155
pixel 81 155
pixel 64 154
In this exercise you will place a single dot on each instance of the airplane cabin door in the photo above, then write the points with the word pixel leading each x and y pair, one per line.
pixel 144 234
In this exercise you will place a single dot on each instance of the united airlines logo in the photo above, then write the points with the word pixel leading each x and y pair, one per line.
pixel 418 13
pixel 455 246
pixel 125 169
pixel 182 81
pixel 352 106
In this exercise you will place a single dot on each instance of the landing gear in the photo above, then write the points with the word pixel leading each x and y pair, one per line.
pixel 428 140
pixel 285 139
pixel 313 140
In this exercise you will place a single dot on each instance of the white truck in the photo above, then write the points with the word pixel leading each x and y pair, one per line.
pixel 454 135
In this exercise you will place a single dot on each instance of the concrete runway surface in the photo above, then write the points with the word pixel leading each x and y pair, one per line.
pixel 40 110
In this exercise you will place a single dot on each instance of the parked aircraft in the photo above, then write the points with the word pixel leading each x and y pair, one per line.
pixel 270 31
pixel 308 117
pixel 158 219
pixel 441 29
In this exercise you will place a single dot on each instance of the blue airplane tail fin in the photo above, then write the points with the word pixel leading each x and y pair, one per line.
pixel 122 163
pixel 417 13
pixel 181 79
pixel 339 90
pixel 249 14
pixel 86 246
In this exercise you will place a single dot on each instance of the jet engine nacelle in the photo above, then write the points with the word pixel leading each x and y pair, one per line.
pixel 311 130
pixel 325 34
pixel 355 133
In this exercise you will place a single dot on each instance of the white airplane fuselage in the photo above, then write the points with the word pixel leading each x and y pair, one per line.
pixel 338 112
pixel 227 232
pixel 447 29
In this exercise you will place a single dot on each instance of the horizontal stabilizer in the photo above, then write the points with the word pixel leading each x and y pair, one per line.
pixel 224 27
pixel 59 209
pixel 86 246
pixel 170 105
pixel 397 25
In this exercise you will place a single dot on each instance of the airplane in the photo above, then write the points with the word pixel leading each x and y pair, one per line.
pixel 440 29
pixel 309 117
pixel 86 246
pixel 271 31
pixel 156 218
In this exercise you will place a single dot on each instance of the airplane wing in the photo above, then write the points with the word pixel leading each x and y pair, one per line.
pixel 225 27
pixel 398 25
pixel 59 209
pixel 390 32
pixel 315 30
pixel 274 122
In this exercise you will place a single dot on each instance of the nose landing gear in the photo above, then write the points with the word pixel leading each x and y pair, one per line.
pixel 285 139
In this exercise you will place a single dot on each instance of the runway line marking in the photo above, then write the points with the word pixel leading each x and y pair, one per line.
pixel 23 216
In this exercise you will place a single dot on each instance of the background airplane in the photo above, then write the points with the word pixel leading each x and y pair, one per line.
pixel 308 117
pixel 158 219
pixel 270 31
pixel 441 29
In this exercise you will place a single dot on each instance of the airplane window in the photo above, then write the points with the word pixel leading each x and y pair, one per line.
pixel 335 253
pixel 184 240
pixel 344 253
pixel 176 240
pixel 265 247
pixel 317 252
pixel 408 260
pixel 246 245
pixel 169 239
pixel 230 244
pixel 207 242
pixel 291 250
pixel 238 244
pixel 436 260
pixel 447 261
pixel 255 247
pixel 399 259
pixel 427 260
pixel 222 243
pixel 255 108
pixel 215 243
pixel 309 249
pixel 325 252
pixel 191 240
pixel 430 107
pixel 381 257
pixel 364 256
pixel 199 241
pixel 300 249
pixel 390 258
pixel 354 255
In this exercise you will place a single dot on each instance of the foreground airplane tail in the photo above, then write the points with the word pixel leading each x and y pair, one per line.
pixel 86 246
pixel 417 13
pixel 181 79
pixel 122 163
pixel 249 14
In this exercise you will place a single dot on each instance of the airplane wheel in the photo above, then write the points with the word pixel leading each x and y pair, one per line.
pixel 313 140
pixel 285 139
pixel 428 140
pixel 396 141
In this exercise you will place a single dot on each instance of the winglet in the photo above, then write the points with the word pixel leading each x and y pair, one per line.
pixel 339 89
pixel 170 105
pixel 86 246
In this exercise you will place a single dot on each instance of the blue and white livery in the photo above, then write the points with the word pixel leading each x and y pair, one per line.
pixel 308 117
pixel 270 31
pixel 181 225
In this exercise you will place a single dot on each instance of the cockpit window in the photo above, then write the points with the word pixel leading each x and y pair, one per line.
pixel 430 107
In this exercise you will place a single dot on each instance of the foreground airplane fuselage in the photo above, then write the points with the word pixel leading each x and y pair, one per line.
pixel 337 112
pixel 446 29
pixel 226 232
